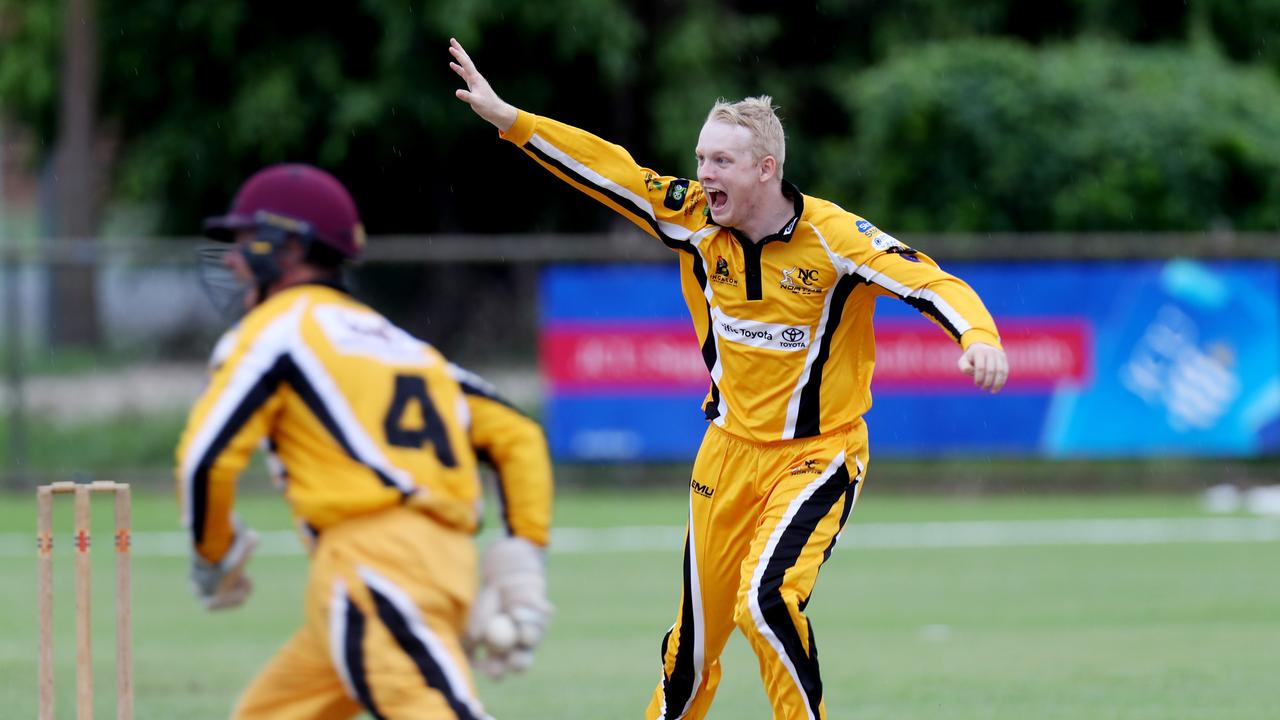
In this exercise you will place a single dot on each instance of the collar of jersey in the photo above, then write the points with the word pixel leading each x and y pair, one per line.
pixel 336 285
pixel 331 284
pixel 784 234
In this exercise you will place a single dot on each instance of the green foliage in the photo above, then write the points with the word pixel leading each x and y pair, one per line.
pixel 29 63
pixel 126 443
pixel 201 94
pixel 893 25
pixel 1246 30
pixel 689 72
pixel 971 136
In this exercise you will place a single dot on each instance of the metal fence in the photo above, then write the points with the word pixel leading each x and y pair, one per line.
pixel 474 297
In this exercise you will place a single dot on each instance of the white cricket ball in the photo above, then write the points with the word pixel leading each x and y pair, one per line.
pixel 500 634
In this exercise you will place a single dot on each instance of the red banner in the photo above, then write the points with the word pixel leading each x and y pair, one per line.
pixel 1042 353
pixel 910 355
pixel 650 356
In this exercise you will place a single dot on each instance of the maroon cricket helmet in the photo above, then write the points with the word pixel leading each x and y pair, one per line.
pixel 298 199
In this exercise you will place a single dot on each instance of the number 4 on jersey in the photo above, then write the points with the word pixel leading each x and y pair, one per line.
pixel 412 420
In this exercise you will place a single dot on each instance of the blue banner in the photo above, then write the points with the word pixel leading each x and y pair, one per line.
pixel 1108 359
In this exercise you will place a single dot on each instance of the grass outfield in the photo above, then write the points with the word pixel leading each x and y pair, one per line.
pixel 1182 629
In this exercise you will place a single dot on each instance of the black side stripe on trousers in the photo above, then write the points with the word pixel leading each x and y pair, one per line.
pixel 849 496
pixel 353 654
pixel 785 555
pixel 417 651
pixel 678 687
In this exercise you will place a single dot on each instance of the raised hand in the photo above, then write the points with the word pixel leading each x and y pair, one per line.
pixel 987 364
pixel 479 95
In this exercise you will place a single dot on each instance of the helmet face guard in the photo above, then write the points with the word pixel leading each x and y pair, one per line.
pixel 277 203
pixel 261 254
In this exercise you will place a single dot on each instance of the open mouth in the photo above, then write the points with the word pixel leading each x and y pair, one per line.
pixel 717 199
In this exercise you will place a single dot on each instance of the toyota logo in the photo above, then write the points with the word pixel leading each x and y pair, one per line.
pixel 792 334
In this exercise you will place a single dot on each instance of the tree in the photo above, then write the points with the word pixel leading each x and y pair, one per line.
pixel 201 94
pixel 994 136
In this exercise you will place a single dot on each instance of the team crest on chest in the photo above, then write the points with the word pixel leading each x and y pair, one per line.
pixel 722 275
pixel 801 281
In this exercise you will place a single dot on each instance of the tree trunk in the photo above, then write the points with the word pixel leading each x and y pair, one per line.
pixel 73 279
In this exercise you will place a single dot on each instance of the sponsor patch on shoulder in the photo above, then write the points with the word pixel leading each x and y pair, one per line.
pixel 677 192
pixel 882 241
pixel 866 228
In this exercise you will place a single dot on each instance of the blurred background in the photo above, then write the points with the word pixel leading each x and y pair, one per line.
pixel 1105 173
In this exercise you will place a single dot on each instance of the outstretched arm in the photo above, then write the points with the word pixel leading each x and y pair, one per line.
pixel 479 95
pixel 668 208
pixel 894 269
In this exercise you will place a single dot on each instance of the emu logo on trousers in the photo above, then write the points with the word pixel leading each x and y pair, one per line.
pixel 703 490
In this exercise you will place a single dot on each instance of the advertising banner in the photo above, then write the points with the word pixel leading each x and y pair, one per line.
pixel 1108 359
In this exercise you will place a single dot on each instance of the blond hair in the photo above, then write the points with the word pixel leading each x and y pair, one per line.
pixel 760 117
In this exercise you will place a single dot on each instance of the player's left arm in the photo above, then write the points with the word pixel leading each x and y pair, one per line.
pixel 514 444
pixel 913 277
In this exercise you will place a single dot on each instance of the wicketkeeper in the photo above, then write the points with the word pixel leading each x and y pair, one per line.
pixel 374 437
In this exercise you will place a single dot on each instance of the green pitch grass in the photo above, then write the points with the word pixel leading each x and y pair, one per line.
pixel 1169 630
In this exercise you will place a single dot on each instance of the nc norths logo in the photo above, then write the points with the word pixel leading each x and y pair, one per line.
pixel 705 491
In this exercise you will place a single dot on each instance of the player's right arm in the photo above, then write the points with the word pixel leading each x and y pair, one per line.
pixel 666 207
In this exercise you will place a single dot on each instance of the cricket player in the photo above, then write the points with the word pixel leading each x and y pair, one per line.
pixel 374 436
pixel 781 288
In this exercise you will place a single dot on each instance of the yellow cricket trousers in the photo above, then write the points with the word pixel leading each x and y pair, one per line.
pixel 763 517
pixel 387 600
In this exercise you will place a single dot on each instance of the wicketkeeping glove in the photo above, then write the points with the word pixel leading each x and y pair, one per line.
pixel 511 611
pixel 225 584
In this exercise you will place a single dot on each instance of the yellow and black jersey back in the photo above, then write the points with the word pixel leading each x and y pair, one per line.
pixel 784 323
pixel 360 415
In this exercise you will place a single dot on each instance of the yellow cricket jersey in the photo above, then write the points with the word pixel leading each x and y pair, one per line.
pixel 784 324
pixel 357 414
